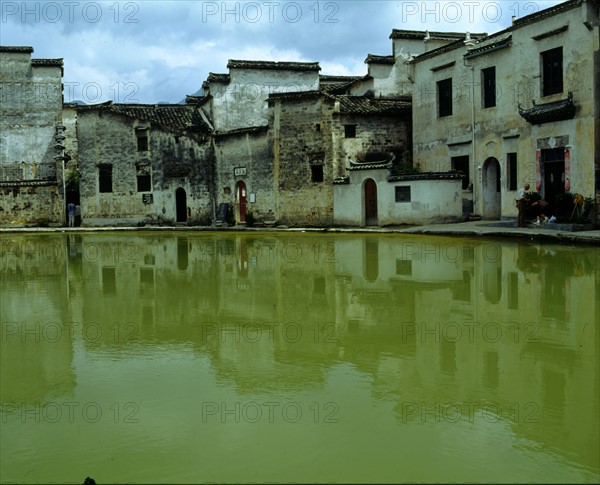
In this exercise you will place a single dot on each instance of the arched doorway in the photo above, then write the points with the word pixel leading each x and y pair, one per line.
pixel 370 198
pixel 240 201
pixel 181 205
pixel 492 195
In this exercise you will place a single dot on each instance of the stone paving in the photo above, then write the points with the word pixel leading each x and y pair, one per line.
pixel 495 229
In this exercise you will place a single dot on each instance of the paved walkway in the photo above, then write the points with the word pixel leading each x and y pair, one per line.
pixel 471 228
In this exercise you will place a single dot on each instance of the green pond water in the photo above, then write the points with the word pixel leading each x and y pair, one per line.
pixel 229 357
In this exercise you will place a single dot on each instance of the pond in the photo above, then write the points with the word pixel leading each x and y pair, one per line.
pixel 263 357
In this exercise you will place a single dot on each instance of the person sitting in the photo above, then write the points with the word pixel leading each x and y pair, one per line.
pixel 540 207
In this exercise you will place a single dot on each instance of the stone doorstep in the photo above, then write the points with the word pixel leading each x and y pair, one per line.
pixel 547 225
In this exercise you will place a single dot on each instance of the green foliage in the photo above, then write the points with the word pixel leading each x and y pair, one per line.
pixel 72 179
pixel 403 168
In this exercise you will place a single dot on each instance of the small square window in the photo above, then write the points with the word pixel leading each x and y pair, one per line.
pixel 402 194
pixel 403 267
pixel 316 173
pixel 350 131
pixel 144 184
pixel 144 179
pixel 461 164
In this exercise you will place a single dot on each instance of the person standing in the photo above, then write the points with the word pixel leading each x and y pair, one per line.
pixel 71 213
pixel 522 197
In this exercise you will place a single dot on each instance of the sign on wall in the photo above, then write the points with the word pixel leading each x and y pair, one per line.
pixel 239 171
pixel 147 198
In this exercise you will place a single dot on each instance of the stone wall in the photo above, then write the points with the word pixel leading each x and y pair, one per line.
pixel 174 161
pixel 246 156
pixel 30 110
pixel 301 130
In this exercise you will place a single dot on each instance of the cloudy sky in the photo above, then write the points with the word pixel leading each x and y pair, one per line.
pixel 151 51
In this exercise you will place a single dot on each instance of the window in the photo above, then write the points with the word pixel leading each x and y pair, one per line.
pixel 461 164
pixel 144 180
pixel 109 280
pixel 552 71
pixel 445 97
pixel 350 131
pixel 489 87
pixel 404 267
pixel 402 194
pixel 513 290
pixel 142 137
pixel 105 178
pixel 511 170
pixel 316 173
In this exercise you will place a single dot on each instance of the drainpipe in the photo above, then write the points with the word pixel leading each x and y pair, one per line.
pixel 475 173
pixel 475 182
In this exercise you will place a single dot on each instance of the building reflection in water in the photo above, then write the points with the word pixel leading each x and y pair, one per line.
pixel 428 320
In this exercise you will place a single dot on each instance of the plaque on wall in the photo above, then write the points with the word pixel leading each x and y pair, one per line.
pixel 147 198
pixel 239 171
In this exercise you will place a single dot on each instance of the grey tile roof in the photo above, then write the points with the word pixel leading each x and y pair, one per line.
pixel 327 79
pixel 217 78
pixel 295 95
pixel 16 48
pixel 281 66
pixel 373 59
pixel 539 114
pixel 368 106
pixel 386 164
pixel 47 62
pixel 422 34
pixel 484 49
pixel 175 116
pixel 243 131
pixel 425 176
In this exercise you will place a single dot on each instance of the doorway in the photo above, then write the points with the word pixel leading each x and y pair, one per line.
pixel 492 194
pixel 553 175
pixel 181 205
pixel 371 218
pixel 240 200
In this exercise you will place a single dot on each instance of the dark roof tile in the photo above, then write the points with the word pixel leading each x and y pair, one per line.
pixel 16 48
pixel 177 116
pixel 367 106
pixel 281 66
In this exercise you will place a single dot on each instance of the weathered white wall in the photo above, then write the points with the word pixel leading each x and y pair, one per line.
pixel 500 130
pixel 242 102
pixel 432 201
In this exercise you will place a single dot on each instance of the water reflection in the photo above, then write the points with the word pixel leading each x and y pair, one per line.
pixel 424 340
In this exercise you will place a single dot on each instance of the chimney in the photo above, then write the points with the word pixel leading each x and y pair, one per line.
pixel 514 19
